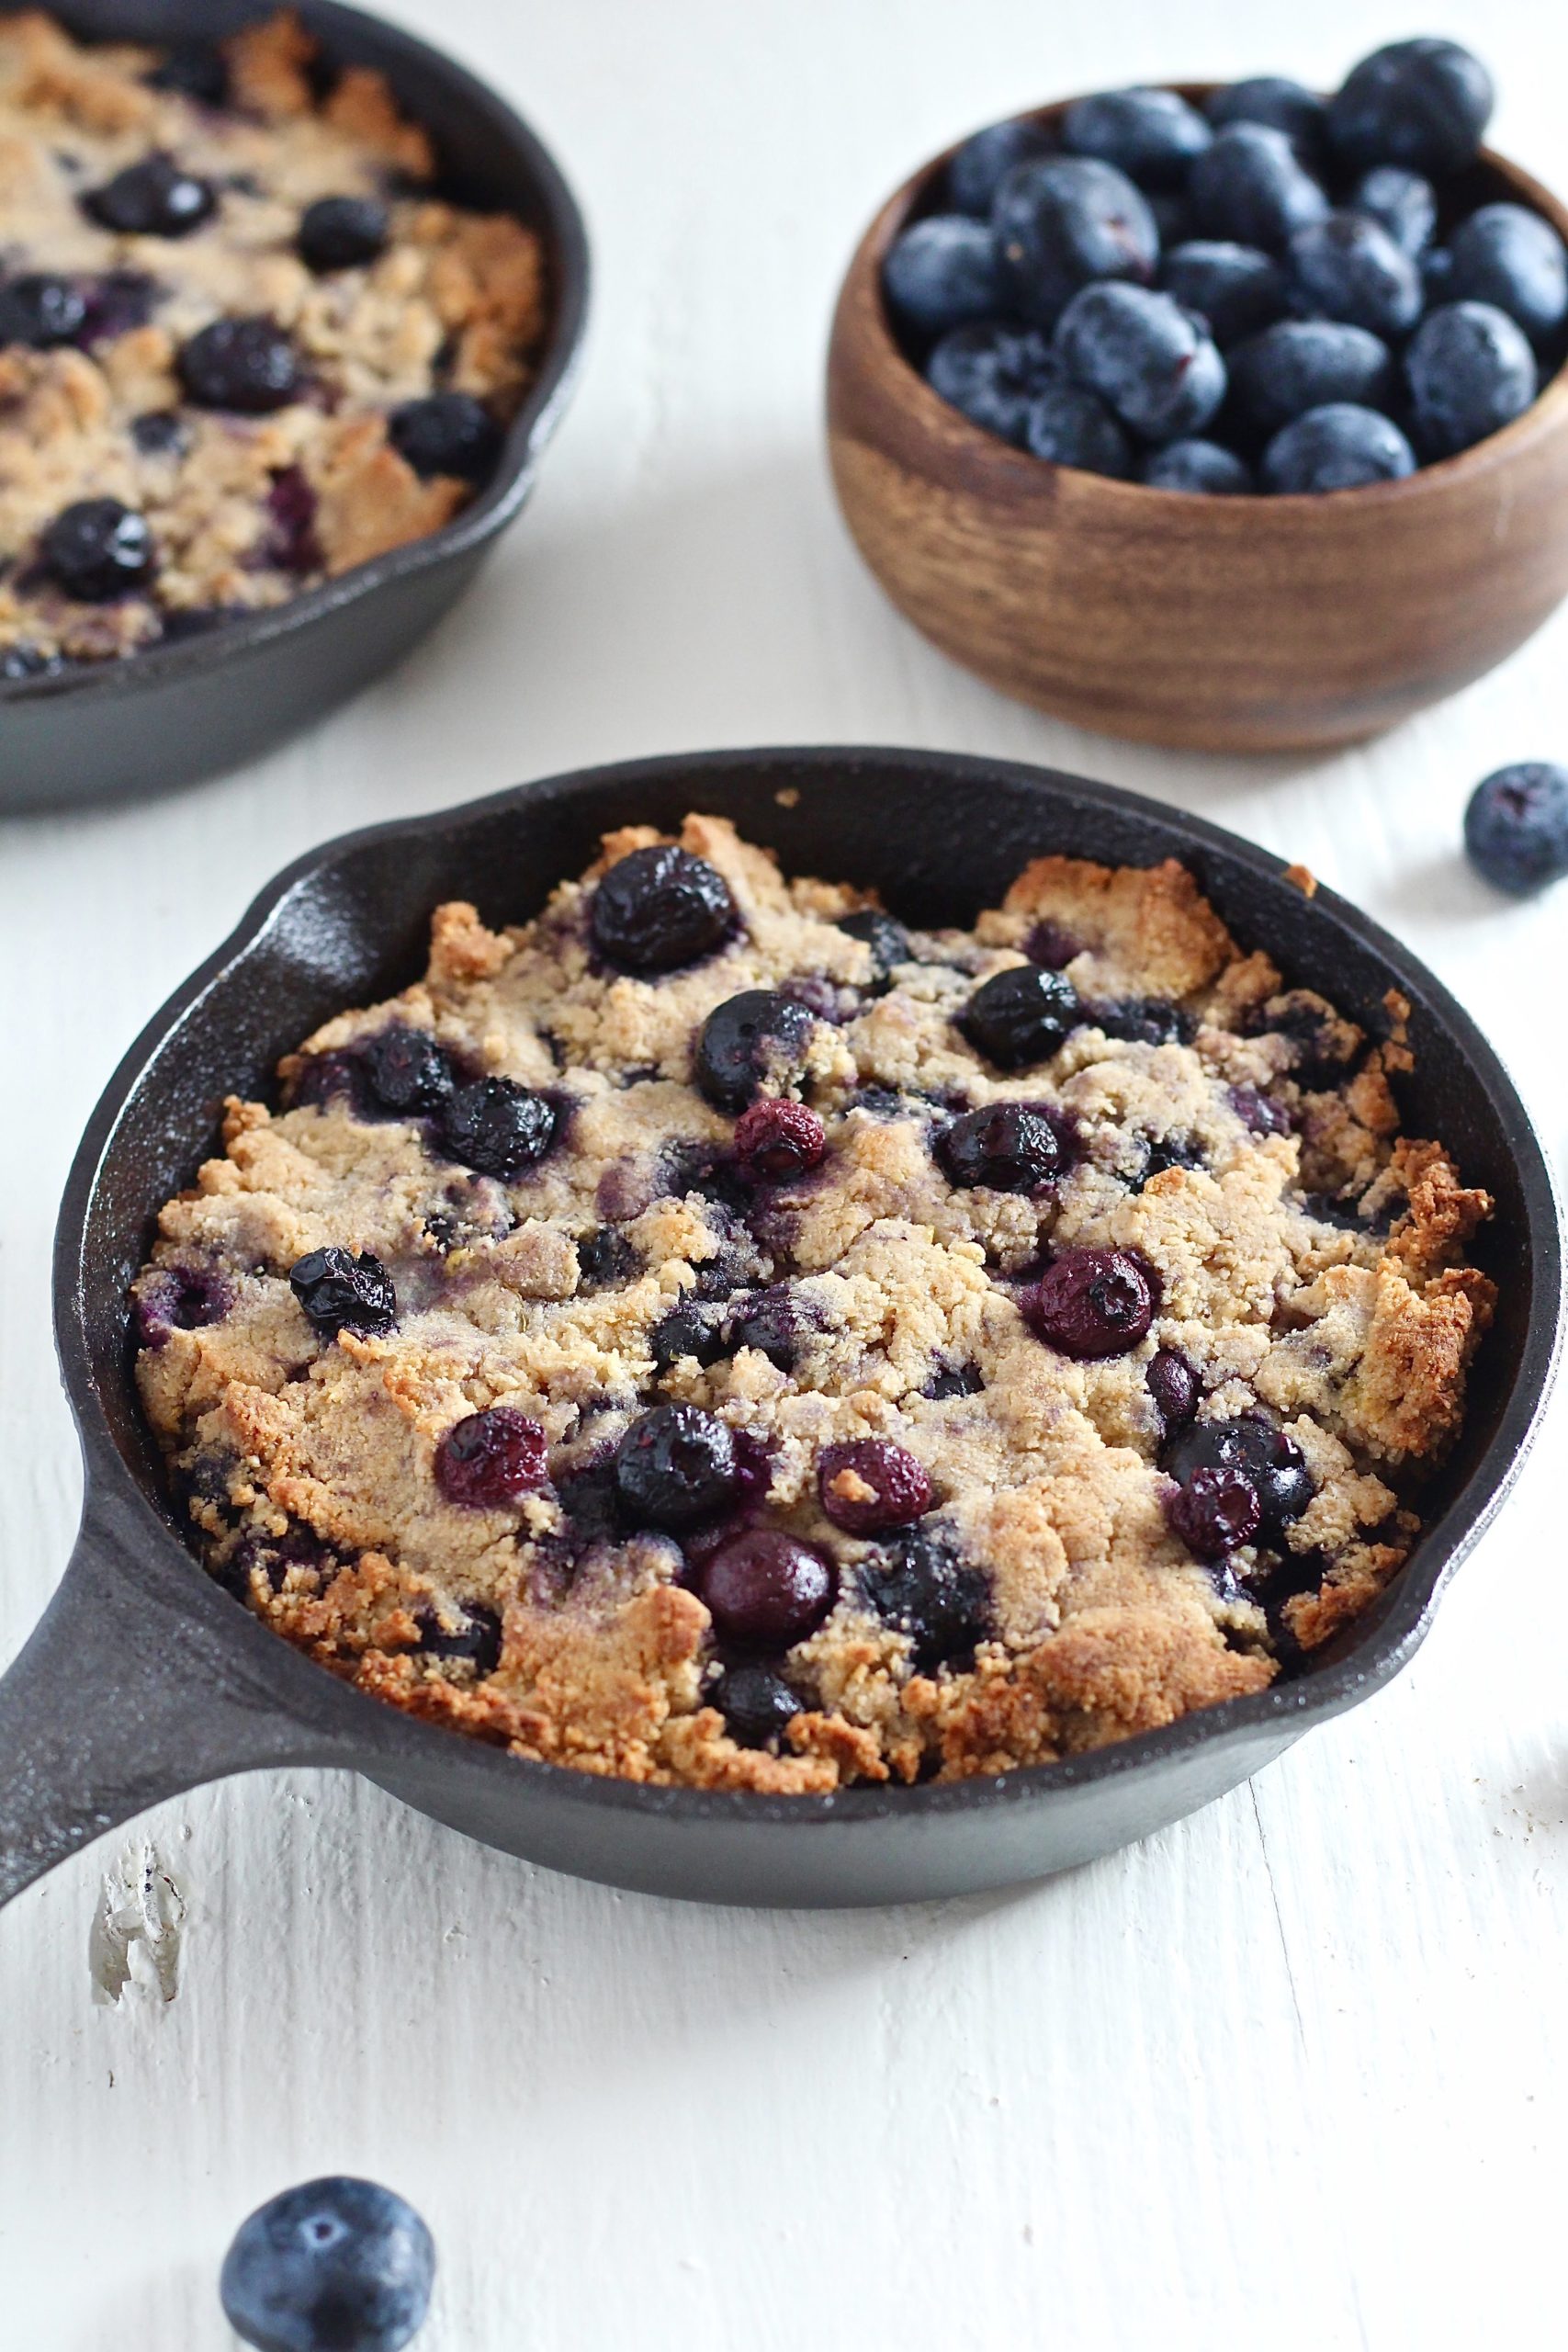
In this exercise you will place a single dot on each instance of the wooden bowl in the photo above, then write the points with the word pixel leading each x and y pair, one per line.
pixel 1208 623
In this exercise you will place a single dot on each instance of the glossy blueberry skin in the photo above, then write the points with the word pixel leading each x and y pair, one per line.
pixel 1302 364
pixel 1265 1455
pixel 153 198
pixel 1068 427
pixel 1251 188
pixel 767 1590
pixel 776 1139
pixel 1516 827
pixel 659 909
pixel 1471 371
pixel 920 1586
pixel 335 2266
pixel 247 365
pixel 409 1072
pixel 887 939
pixel 1200 465
pixel 984 161
pixel 992 372
pixel 448 433
pixel 474 1640
pixel 490 1459
pixel 1067 223
pixel 1173 1383
pixel 339 1292
pixel 1280 105
pixel 498 1127
pixel 1215 1512
pixel 341 233
pixel 40 311
pixel 1420 103
pixel 1005 1147
pixel 1152 135
pixel 943 272
pixel 1348 267
pixel 1515 260
pixel 1403 203
pixel 1020 1016
pixel 97 549
pixel 1091 1303
pixel 901 1490
pixel 757 1707
pixel 1237 288
pixel 1146 356
pixel 676 1466
pixel 743 1038
pixel 1340 447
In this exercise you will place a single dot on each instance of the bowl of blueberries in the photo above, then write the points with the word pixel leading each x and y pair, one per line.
pixel 1226 418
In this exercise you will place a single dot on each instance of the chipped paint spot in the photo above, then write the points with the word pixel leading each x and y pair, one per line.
pixel 135 1938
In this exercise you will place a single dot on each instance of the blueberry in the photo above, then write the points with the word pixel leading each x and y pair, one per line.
pixel 1067 222
pixel 1471 371
pixel 1251 188
pixel 659 908
pixel 1238 289
pixel 1049 942
pixel 181 1298
pixel 1515 260
pixel 992 373
pixel 342 1293
pixel 341 233
pixel 1143 1020
pixel 489 1459
pixel 1516 827
pixel 194 70
pixel 1420 103
pixel 335 2266
pixel 770 1322
pixel 97 549
pixel 923 1588
pixel 1167 1151
pixel 117 302
pixel 1172 1382
pixel 1152 135
pixel 498 1127
pixel 1006 1147
pixel 1340 447
pixel 953 1380
pixel 767 1590
pixel 758 1709
pixel 984 161
pixel 870 1485
pixel 1152 361
pixel 1437 275
pixel 1068 427
pixel 606 1259
pixel 1093 1303
pixel 156 197
pixel 1259 1113
pixel 775 1140
pixel 445 433
pixel 474 1641
pixel 1278 105
pixel 686 1330
pixel 1272 1462
pixel 888 941
pixel 1304 364
pixel 160 433
pixel 1215 1512
pixel 40 311
pixel 1020 1016
pixel 408 1071
pixel 1200 466
pixel 1348 267
pixel 755 1035
pixel 943 272
pixel 247 365
pixel 676 1467
pixel 1403 204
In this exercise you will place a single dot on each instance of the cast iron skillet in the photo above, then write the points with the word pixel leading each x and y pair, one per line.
pixel 187 710
pixel 145 1677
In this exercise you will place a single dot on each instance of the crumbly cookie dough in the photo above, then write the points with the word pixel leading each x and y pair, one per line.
pixel 244 511
pixel 1306 1263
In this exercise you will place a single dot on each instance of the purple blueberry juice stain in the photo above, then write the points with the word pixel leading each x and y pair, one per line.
pixel 291 544
pixel 181 1298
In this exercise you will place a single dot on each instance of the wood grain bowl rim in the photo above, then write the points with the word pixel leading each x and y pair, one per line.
pixel 861 292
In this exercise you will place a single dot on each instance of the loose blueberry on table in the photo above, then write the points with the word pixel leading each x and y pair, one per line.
pixel 337 2264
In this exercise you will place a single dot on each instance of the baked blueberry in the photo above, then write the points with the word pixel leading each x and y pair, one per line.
pixel 160 433
pixel 447 434
pixel 676 1467
pixel 1152 135
pixel 1020 1017
pixel 606 1259
pixel 40 311
pixel 1302 364
pixel 686 1330
pixel 992 372
pixel 1007 1146
pixel 1420 103
pixel 1403 203
pixel 1065 223
pixel 247 365
pixel 659 909
pixel 181 1298
pixel 1251 188
pixel 474 1640
pixel 888 941
pixel 1280 105
pixel 97 549
pixel 983 162
pixel 1200 465
pixel 338 2263
pixel 341 233
pixel 922 1587
pixel 1515 260
pixel 1337 448
pixel 487 1460
pixel 767 1590
pixel 755 1035
pixel 1471 371
pixel 408 1071
pixel 1261 1114
pixel 869 1485
pixel 340 1292
pixel 1215 1512
pixel 1069 426
pixel 953 1380
pixel 1093 1303
pixel 1348 267
pixel 1172 1382
pixel 498 1127
pixel 777 1139
pixel 156 197
pixel 196 69
pixel 1516 827
pixel 1237 288
pixel 1272 1462
pixel 757 1707
pixel 1152 362
pixel 771 1322
pixel 943 272
pixel 1162 1153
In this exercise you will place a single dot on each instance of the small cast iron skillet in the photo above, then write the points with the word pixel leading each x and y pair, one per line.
pixel 189 709
pixel 145 1677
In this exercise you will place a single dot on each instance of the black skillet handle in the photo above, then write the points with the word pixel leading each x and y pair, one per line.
pixel 122 1696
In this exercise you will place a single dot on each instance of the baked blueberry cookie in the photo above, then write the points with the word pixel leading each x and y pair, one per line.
pixel 243 344
pixel 714 1334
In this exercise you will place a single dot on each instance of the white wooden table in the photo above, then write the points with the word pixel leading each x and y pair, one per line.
pixel 1291 2073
